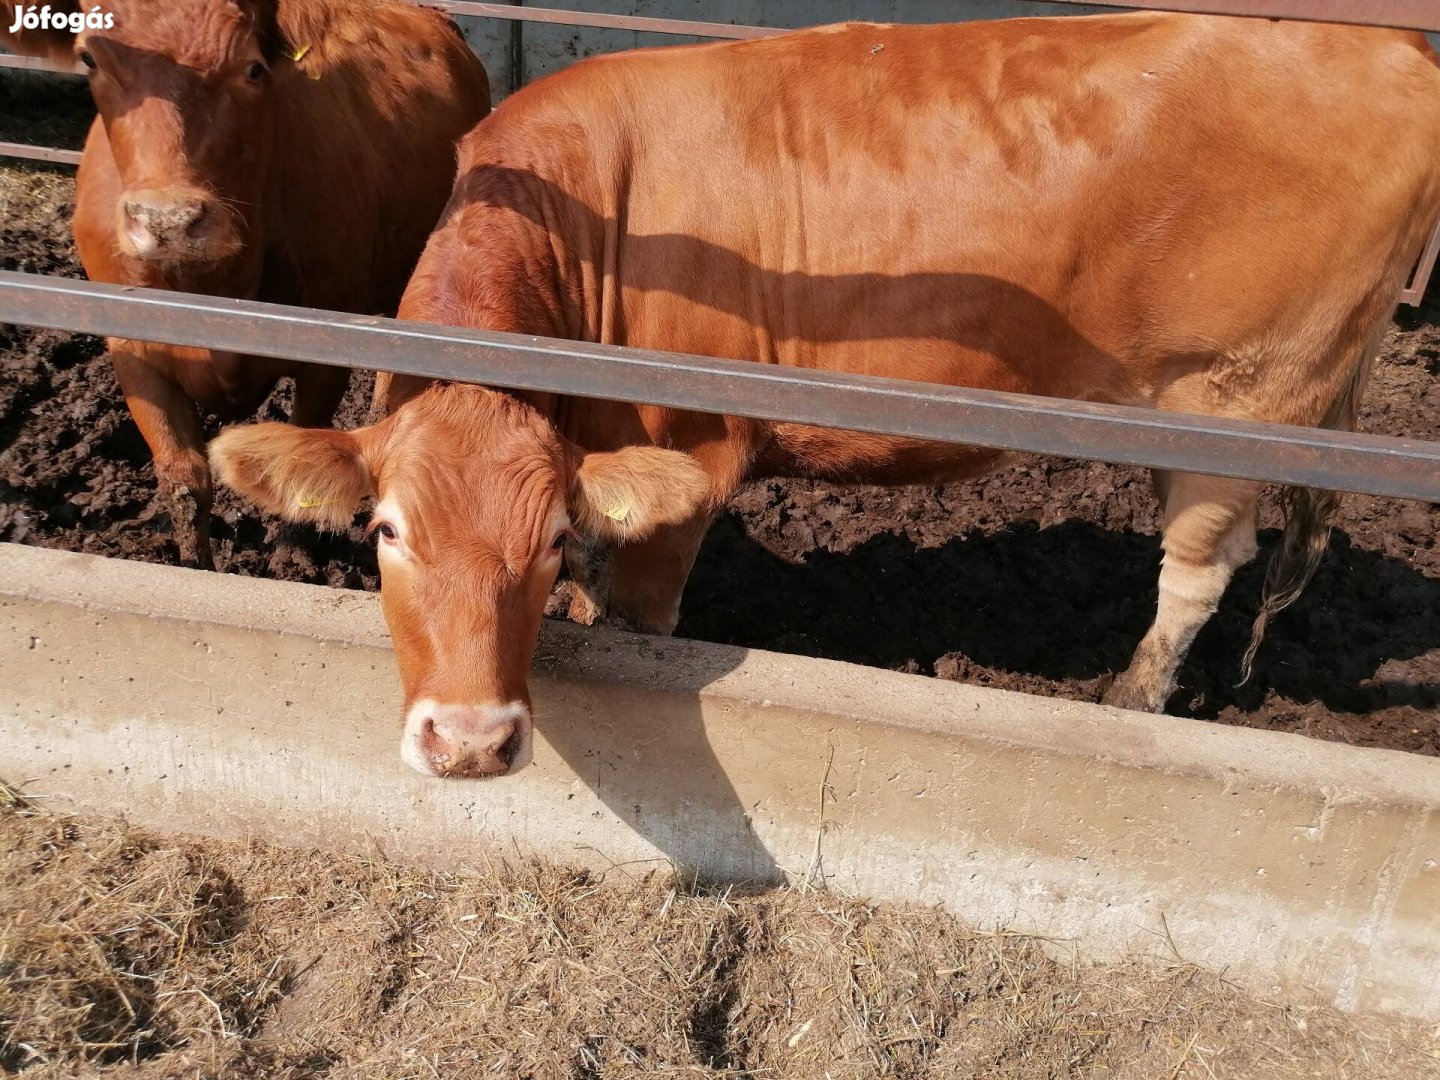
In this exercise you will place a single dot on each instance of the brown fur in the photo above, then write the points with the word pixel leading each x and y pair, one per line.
pixel 319 182
pixel 1152 210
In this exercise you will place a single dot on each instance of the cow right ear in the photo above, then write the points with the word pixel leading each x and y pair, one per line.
pixel 300 474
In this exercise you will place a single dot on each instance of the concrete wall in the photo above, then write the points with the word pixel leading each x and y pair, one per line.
pixel 242 707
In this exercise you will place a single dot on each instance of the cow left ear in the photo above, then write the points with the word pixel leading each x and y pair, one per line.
pixel 627 494
pixel 300 474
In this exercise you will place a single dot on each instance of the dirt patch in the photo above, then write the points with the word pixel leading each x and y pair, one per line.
pixel 130 953
pixel 1041 578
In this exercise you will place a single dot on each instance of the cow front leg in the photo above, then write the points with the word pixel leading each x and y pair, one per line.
pixel 1209 532
pixel 648 577
pixel 318 391
pixel 170 424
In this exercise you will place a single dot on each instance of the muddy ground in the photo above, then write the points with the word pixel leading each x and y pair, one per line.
pixel 1041 578
pixel 126 953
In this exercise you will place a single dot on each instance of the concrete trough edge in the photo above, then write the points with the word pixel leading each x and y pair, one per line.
pixel 246 707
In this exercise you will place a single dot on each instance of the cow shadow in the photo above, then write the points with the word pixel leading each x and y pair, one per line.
pixel 648 756
pixel 1058 609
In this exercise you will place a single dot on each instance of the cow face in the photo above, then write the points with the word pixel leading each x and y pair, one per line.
pixel 182 88
pixel 476 495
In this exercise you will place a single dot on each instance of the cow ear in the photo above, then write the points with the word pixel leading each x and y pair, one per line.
pixel 627 494
pixel 300 474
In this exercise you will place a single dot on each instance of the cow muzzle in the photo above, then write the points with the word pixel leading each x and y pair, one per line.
pixel 466 740
pixel 175 225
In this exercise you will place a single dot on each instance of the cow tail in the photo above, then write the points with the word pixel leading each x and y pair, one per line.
pixel 1307 514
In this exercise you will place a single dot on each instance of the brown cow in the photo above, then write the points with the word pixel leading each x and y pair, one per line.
pixel 298 151
pixel 1151 210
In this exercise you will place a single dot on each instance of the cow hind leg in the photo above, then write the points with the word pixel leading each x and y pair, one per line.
pixel 1209 532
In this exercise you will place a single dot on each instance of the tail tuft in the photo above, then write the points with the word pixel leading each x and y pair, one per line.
pixel 1294 561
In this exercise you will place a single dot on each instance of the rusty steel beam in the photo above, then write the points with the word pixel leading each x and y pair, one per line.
pixel 1402 468
pixel 1401 14
pixel 638 23
pixel 40 153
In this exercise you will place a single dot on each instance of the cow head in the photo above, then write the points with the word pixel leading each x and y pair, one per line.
pixel 183 89
pixel 476 495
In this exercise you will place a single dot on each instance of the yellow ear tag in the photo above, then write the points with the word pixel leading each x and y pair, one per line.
pixel 617 513
pixel 298 55
pixel 309 502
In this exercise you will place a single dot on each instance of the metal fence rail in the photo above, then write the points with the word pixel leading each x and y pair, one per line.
pixel 39 153
pixel 38 63
pixel 1397 14
pixel 1403 468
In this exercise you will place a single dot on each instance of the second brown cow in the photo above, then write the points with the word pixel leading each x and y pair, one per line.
pixel 296 151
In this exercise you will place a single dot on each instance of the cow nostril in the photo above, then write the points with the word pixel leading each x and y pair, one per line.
pixel 433 745
pixel 510 747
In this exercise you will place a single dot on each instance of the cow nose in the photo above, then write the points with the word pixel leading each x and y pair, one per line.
pixel 159 221
pixel 466 740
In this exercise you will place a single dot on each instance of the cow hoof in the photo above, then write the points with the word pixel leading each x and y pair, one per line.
pixel 190 523
pixel 568 601
pixel 1125 694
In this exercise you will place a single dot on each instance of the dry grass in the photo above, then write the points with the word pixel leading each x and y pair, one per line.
pixel 127 953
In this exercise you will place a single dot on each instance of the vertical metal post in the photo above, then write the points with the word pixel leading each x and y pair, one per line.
pixel 1414 293
pixel 517 50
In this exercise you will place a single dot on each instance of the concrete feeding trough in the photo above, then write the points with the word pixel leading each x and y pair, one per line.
pixel 241 707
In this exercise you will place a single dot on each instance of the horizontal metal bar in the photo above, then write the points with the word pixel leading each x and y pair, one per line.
pixel 1401 14
pixel 38 63
pixel 40 153
pixel 1398 14
pixel 611 22
pixel 1403 468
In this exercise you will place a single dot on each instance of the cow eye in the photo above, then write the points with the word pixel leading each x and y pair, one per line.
pixel 255 71
pixel 87 59
pixel 559 542
pixel 386 531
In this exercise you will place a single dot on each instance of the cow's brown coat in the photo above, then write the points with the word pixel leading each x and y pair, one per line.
pixel 1201 214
